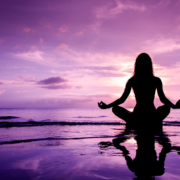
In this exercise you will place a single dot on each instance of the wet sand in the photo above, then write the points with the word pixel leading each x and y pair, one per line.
pixel 84 158
pixel 67 144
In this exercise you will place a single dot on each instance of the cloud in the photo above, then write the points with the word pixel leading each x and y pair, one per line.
pixel 102 71
pixel 164 3
pixel 79 87
pixel 1 83
pixel 170 75
pixel 79 33
pixel 61 47
pixel 1 91
pixel 35 56
pixel 33 48
pixel 52 80
pixel 48 26
pixel 63 29
pixel 105 12
pixel 161 45
pixel 26 29
pixel 16 47
pixel 1 40
pixel 27 78
pixel 56 87
pixel 109 74
pixel 41 40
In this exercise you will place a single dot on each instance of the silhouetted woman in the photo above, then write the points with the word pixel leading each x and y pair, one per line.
pixel 144 85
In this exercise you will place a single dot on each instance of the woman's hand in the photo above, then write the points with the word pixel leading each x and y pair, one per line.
pixel 177 106
pixel 102 105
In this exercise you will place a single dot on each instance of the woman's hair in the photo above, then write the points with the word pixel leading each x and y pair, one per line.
pixel 143 65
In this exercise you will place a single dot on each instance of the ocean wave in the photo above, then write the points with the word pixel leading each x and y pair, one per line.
pixel 7 117
pixel 54 138
pixel 89 117
pixel 5 124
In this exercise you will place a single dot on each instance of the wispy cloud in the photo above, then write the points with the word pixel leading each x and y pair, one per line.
pixel 1 40
pixel 1 91
pixel 61 47
pixel 27 78
pixel 170 75
pixel 26 29
pixel 79 33
pixel 56 87
pixel 16 47
pixel 105 12
pixel 41 40
pixel 48 25
pixel 162 45
pixel 63 29
pixel 24 80
pixel 35 56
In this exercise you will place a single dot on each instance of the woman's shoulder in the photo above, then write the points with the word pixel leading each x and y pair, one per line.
pixel 152 78
pixel 130 80
pixel 157 79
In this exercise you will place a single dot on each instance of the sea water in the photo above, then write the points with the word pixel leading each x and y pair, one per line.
pixel 65 144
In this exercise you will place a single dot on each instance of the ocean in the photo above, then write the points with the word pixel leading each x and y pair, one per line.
pixel 77 144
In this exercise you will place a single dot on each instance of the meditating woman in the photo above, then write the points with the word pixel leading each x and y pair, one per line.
pixel 144 85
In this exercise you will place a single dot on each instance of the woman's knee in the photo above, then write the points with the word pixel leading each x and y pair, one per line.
pixel 115 109
pixel 163 112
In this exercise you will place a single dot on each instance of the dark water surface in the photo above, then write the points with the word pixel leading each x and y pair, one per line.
pixel 76 144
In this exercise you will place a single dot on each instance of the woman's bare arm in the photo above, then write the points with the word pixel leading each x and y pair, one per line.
pixel 121 100
pixel 162 96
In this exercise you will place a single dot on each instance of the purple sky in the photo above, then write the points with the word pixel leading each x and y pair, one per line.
pixel 74 53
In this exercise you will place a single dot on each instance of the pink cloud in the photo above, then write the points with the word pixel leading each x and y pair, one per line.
pixel 35 56
pixel 41 40
pixel 160 45
pixel 63 29
pixel 79 33
pixel 16 47
pixel 105 12
pixel 1 91
pixel 1 40
pixel 61 47
pixel 28 79
pixel 26 29
pixel 48 26
pixel 33 48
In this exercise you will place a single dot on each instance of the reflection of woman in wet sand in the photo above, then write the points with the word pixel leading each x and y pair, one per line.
pixel 144 85
pixel 146 163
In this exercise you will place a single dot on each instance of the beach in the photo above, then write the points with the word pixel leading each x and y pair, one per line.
pixel 77 144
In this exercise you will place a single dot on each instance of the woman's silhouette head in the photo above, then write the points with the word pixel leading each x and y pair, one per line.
pixel 143 65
